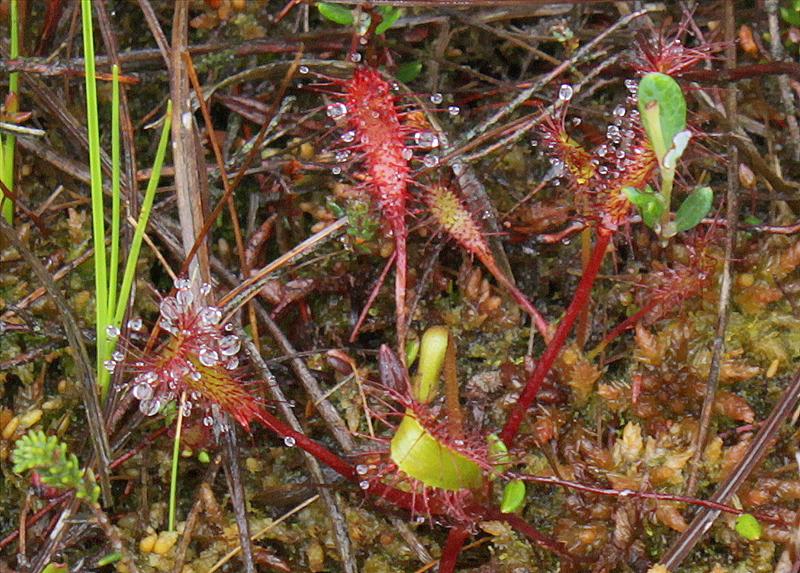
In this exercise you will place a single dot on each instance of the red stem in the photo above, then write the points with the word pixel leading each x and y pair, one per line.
pixel 452 549
pixel 402 499
pixel 554 347
pixel 373 295
pixel 647 495
pixel 530 532
pixel 623 326
pixel 400 234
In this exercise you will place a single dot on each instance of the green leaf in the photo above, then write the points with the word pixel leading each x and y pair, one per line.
pixel 650 205
pixel 791 16
pixel 389 16
pixel 408 72
pixel 748 527
pixel 412 351
pixel 752 220
pixel 432 351
pixel 110 558
pixel 55 568
pixel 335 13
pixel 694 208
pixel 513 496
pixel 663 110
pixel 422 456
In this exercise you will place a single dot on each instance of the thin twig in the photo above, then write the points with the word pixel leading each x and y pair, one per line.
pixel 194 515
pixel 258 534
pixel 732 216
pixel 326 410
pixel 526 94
pixel 702 522
pixel 234 473
pixel 328 497
pixel 187 155
pixel 787 98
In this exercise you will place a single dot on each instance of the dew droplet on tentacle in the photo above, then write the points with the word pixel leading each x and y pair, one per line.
pixel 426 139
pixel 169 309
pixel 142 392
pixel 210 316
pixel 336 110
pixel 230 345
pixel 430 160
pixel 149 407
pixel 208 357
pixel 184 298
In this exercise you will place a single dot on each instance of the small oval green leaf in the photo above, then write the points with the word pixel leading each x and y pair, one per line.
pixel 748 527
pixel 513 496
pixel 408 72
pixel 694 208
pixel 791 16
pixel 389 16
pixel 109 559
pixel 335 13
pixel 650 205
pixel 432 350
pixel 663 110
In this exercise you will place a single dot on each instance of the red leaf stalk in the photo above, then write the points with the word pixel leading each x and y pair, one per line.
pixel 555 345
pixel 629 322
pixel 452 549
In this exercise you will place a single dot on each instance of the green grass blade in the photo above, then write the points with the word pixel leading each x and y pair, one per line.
pixel 115 193
pixel 10 141
pixel 98 223
pixel 144 215
pixel 138 235
pixel 176 455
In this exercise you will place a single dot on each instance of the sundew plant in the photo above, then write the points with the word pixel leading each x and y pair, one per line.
pixel 399 287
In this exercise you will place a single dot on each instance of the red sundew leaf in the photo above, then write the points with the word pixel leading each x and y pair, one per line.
pixel 379 135
pixel 560 145
pixel 454 218
pixel 200 360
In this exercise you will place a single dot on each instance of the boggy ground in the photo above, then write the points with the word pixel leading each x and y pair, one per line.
pixel 695 401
